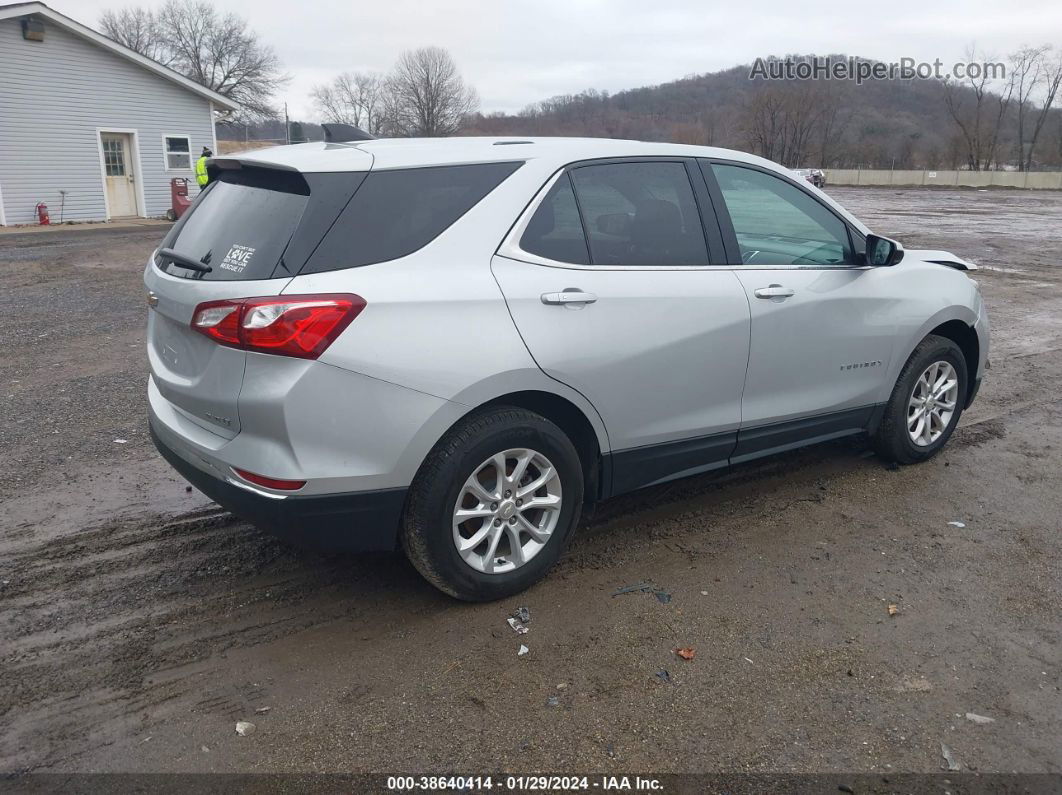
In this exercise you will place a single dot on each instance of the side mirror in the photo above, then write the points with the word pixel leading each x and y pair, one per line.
pixel 882 251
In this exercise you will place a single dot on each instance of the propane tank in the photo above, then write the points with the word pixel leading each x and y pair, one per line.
pixel 42 214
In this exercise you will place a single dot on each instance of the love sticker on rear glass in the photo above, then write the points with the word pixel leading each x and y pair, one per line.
pixel 238 258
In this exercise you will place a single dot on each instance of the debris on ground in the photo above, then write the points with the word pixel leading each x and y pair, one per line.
pixel 663 676
pixel 687 653
pixel 661 595
pixel 523 615
pixel 642 586
pixel 894 610
pixel 518 628
pixel 749 661
pixel 552 701
pixel 523 650
pixel 244 728
pixel 204 749
pixel 704 593
pixel 980 719
pixel 950 763
pixel 562 686
pixel 121 441
pixel 263 710
pixel 960 525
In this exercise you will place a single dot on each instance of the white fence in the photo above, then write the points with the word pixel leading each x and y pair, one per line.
pixel 1034 180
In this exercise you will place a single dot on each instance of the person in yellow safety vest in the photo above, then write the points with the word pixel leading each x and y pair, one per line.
pixel 201 175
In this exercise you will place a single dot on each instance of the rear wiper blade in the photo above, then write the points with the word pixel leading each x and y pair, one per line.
pixel 183 261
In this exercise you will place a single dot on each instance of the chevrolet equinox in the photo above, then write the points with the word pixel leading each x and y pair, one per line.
pixel 456 345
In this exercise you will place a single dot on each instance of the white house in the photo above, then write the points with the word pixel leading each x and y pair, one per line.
pixel 82 114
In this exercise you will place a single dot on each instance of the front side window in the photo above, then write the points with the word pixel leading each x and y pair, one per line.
pixel 178 153
pixel 396 212
pixel 555 231
pixel 640 214
pixel 776 223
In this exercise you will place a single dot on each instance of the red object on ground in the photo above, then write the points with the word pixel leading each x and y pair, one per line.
pixel 42 214
pixel 179 201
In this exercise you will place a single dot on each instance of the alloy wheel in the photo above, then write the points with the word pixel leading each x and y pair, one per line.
pixel 507 510
pixel 932 404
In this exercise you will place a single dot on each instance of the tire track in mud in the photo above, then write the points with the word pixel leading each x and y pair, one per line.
pixel 105 625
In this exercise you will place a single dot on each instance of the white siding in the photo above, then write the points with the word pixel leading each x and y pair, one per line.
pixel 54 95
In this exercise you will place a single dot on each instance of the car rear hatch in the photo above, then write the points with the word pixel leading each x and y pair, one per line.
pixel 246 235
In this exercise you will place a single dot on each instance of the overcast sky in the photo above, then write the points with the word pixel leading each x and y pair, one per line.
pixel 515 53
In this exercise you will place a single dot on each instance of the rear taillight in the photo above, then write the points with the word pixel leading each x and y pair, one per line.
pixel 287 325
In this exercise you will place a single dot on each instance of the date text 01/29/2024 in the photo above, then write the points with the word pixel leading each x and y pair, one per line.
pixel 523 783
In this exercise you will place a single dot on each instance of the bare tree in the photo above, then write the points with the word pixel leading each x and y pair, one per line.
pixel 1002 100
pixel 968 104
pixel 137 29
pixel 355 98
pixel 216 50
pixel 425 94
pixel 1026 72
pixel 781 119
pixel 1052 76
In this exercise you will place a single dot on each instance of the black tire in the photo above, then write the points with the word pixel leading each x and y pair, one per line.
pixel 891 439
pixel 427 529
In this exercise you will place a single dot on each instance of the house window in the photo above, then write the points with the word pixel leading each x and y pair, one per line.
pixel 178 153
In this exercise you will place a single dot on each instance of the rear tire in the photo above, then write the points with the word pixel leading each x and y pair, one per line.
pixel 455 554
pixel 925 404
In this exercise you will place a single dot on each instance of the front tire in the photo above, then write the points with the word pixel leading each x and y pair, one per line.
pixel 925 404
pixel 494 504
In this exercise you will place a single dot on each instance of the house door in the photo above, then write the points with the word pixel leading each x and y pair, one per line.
pixel 119 178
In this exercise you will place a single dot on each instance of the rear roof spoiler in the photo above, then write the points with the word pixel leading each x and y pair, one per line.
pixel 342 133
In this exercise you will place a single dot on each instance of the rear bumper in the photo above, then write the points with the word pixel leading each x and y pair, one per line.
pixel 356 522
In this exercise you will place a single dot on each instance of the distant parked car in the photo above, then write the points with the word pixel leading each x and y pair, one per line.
pixel 816 176
pixel 455 345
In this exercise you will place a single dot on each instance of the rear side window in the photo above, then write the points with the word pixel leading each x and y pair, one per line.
pixel 240 226
pixel 640 214
pixel 397 212
pixel 555 231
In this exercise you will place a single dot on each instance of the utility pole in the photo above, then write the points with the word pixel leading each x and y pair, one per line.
pixel 287 127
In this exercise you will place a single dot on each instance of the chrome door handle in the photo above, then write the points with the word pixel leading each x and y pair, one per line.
pixel 775 291
pixel 569 297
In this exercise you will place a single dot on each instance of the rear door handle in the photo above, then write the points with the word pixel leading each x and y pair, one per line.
pixel 569 296
pixel 775 291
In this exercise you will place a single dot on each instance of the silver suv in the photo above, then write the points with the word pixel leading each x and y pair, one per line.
pixel 456 345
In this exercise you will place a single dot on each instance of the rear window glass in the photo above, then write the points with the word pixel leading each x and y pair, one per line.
pixel 240 226
pixel 555 231
pixel 397 212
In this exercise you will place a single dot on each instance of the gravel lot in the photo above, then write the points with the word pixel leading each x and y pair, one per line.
pixel 138 623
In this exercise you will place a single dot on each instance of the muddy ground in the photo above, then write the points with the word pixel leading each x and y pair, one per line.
pixel 138 623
